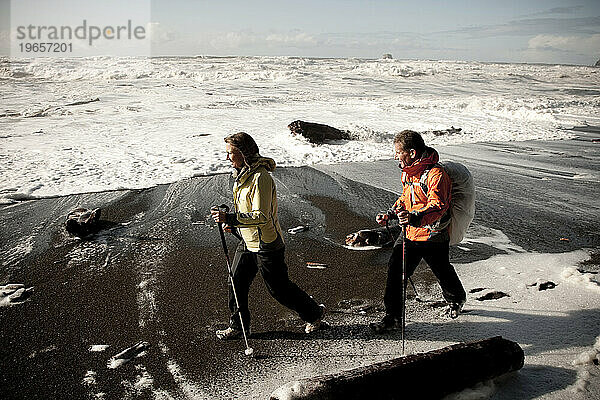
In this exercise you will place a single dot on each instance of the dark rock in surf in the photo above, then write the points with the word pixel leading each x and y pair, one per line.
pixel 450 131
pixel 317 133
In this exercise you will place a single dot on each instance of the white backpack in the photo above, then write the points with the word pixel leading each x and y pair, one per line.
pixel 462 202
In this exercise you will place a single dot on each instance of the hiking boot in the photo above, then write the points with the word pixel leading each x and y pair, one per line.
pixel 453 310
pixel 387 324
pixel 231 334
pixel 311 327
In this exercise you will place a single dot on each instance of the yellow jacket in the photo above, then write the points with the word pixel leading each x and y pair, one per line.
pixel 255 206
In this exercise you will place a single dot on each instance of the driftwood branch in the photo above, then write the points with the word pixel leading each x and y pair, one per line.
pixel 430 375
pixel 10 114
pixel 43 112
pixel 78 103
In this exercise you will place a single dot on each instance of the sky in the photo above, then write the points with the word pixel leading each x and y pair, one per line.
pixel 535 31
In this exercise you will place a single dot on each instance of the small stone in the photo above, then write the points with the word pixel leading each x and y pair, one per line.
pixel 475 290
pixel 495 295
pixel 546 285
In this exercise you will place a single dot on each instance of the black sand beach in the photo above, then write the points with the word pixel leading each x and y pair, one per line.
pixel 156 273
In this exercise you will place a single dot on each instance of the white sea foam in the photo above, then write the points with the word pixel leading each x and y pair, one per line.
pixel 164 119
pixel 574 276
pixel 188 387
pixel 13 255
pixel 587 373
pixel 99 347
pixel 90 378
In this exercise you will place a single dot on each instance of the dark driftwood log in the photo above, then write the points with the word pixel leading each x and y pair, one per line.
pixel 10 114
pixel 78 103
pixel 429 375
pixel 317 133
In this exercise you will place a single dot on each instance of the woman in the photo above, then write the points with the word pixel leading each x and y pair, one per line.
pixel 261 248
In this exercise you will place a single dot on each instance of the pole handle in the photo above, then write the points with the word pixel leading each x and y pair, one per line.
pixel 225 207
pixel 234 231
pixel 220 224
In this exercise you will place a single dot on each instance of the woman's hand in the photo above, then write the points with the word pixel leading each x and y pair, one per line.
pixel 218 216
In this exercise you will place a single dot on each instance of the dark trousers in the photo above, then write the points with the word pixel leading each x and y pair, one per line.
pixel 437 256
pixel 274 271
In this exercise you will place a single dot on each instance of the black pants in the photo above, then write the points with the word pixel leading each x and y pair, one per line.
pixel 274 271
pixel 437 256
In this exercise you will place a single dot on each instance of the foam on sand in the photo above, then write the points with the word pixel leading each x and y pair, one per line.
pixel 14 293
pixel 99 347
pixel 137 350
pixel 588 376
pixel 553 326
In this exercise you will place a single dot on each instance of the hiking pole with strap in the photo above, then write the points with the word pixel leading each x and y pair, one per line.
pixel 403 285
pixel 249 350
pixel 417 298
pixel 403 311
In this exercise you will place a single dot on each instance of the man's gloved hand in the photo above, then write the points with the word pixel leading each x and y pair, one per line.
pixel 412 219
pixel 382 218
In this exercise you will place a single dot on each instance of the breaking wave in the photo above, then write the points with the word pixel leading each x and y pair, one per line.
pixel 103 123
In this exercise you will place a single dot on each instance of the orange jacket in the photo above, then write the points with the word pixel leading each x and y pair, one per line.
pixel 429 218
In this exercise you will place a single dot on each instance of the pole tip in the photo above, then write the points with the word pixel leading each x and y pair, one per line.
pixel 249 352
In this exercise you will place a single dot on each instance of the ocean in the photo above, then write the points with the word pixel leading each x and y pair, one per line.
pixel 160 120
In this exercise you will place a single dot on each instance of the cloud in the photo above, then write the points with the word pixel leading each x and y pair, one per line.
pixel 531 26
pixel 248 41
pixel 302 43
pixel 380 40
pixel 230 40
pixel 298 39
pixel 557 10
pixel 568 40
pixel 564 10
pixel 588 45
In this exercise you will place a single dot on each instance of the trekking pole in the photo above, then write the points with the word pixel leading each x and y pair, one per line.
pixel 403 285
pixel 417 298
pixel 249 350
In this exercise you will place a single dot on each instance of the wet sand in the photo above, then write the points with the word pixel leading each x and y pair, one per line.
pixel 156 272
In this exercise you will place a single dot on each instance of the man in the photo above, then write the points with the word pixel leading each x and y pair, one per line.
pixel 423 209
pixel 261 248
